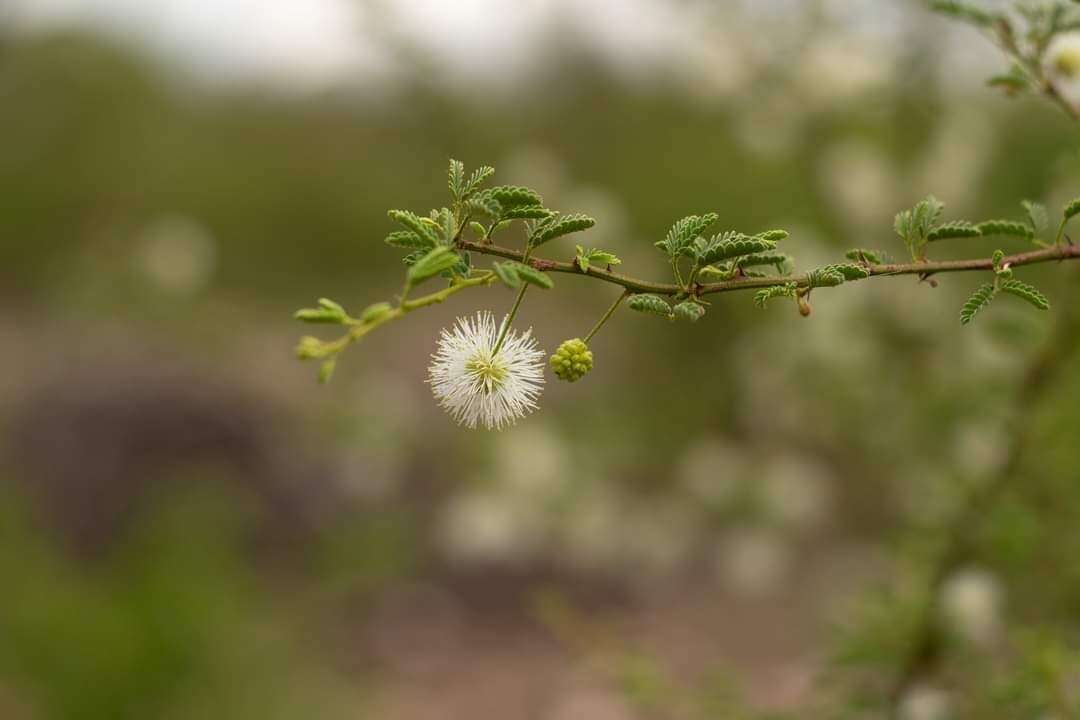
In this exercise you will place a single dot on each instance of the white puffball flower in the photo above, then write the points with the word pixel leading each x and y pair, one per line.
pixel 1061 65
pixel 477 383
pixel 971 602
pixel 177 254
pixel 754 562
pixel 923 702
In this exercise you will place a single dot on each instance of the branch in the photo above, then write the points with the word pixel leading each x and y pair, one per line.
pixel 635 285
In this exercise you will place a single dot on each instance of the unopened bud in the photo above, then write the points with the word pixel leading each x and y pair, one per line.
pixel 572 361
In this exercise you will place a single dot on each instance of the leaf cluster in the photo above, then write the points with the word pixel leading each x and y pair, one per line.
pixel 1024 35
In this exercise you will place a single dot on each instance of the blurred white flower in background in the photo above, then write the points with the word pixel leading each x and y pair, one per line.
pixel 302 43
pixel 770 126
pixel 1061 65
pixel 531 462
pixel 857 179
pixel 383 404
pixel 753 562
pixel 612 229
pixel 537 166
pixel 797 491
pixel 971 603
pixel 840 66
pixel 588 703
pixel 711 470
pixel 177 254
pixel 714 66
pixel 491 527
pixel 591 534
pixel 924 703
pixel 928 493
pixel 658 538
pixel 957 158
pixel 981 448
pixel 987 350
pixel 313 44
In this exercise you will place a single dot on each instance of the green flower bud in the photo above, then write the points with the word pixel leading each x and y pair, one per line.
pixel 572 360
pixel 310 348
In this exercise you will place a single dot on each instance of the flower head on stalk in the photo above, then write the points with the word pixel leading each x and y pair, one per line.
pixel 478 381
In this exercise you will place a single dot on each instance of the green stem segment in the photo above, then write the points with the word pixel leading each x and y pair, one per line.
pixel 1061 231
pixel 610 311
pixel 360 329
pixel 505 328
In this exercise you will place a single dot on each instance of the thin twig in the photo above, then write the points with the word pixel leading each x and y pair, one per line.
pixel 636 285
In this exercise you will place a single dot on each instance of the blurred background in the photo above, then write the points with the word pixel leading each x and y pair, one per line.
pixel 190 527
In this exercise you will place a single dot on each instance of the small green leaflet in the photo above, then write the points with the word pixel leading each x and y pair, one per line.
pixel 328 313
pixel 456 178
pixel 510 196
pixel 586 258
pixel 1037 216
pixel 773 235
pixel 409 240
pixel 728 245
pixel 777 260
pixel 978 300
pixel 762 298
pixel 966 11
pixel 434 262
pixel 534 277
pixel 825 277
pixel 684 232
pixel 690 310
pixel 446 224
pixel 833 275
pixel 460 188
pixel 421 226
pixel 511 274
pixel 326 370
pixel 874 257
pixel 509 202
pixel 530 212
pixel 507 274
pixel 556 226
pixel 849 271
pixel 914 226
pixel 651 304
pixel 484 204
pixel 478 178
pixel 1012 82
pixel 1072 209
pixel 1027 292
pixel 463 267
pixel 375 312
pixel 1004 227
pixel 958 229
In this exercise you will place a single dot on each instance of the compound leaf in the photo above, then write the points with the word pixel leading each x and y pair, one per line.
pixel 651 304
pixel 958 229
pixel 978 300
pixel 1005 227
pixel 557 226
pixel 762 297
pixel 1027 292
pixel 431 264
pixel 684 232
